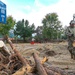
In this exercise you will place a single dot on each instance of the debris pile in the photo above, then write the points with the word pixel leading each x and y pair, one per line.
pixel 12 63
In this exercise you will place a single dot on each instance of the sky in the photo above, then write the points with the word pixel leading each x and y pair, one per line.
pixel 35 10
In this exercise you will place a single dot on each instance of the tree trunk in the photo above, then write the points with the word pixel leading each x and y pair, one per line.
pixel 23 60
pixel 39 66
pixel 23 39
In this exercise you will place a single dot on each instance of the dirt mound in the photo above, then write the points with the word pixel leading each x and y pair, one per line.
pixel 29 52
pixel 50 53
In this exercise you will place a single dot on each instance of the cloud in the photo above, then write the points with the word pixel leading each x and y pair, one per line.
pixel 64 8
pixel 27 7
pixel 5 1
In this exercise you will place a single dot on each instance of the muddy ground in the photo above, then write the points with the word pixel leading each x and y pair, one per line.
pixel 57 53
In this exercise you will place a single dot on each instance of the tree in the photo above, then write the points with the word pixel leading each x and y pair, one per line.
pixel 51 26
pixel 64 33
pixel 24 29
pixel 4 28
pixel 39 37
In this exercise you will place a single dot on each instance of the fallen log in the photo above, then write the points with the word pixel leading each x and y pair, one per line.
pixel 28 68
pixel 51 70
pixel 16 51
pixel 4 53
pixel 39 66
pixel 4 50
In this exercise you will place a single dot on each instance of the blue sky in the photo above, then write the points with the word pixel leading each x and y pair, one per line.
pixel 31 2
pixel 35 10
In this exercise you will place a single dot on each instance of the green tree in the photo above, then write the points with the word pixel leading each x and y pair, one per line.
pixel 39 37
pixel 24 29
pixel 51 26
pixel 4 28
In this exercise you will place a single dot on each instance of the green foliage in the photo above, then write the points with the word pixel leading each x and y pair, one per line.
pixel 24 29
pixel 4 28
pixel 51 26
pixel 39 37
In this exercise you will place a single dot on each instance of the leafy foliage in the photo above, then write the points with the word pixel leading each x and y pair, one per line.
pixel 51 26
pixel 24 29
pixel 4 28
pixel 39 37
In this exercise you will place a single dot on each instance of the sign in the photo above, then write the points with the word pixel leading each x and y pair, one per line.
pixel 2 12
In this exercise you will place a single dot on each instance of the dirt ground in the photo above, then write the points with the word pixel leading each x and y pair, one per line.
pixel 57 53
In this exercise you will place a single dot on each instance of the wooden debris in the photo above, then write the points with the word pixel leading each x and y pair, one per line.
pixel 15 64
pixel 39 66
pixel 24 62
pixel 50 72
pixel 44 60
pixel 20 71
pixel 4 48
